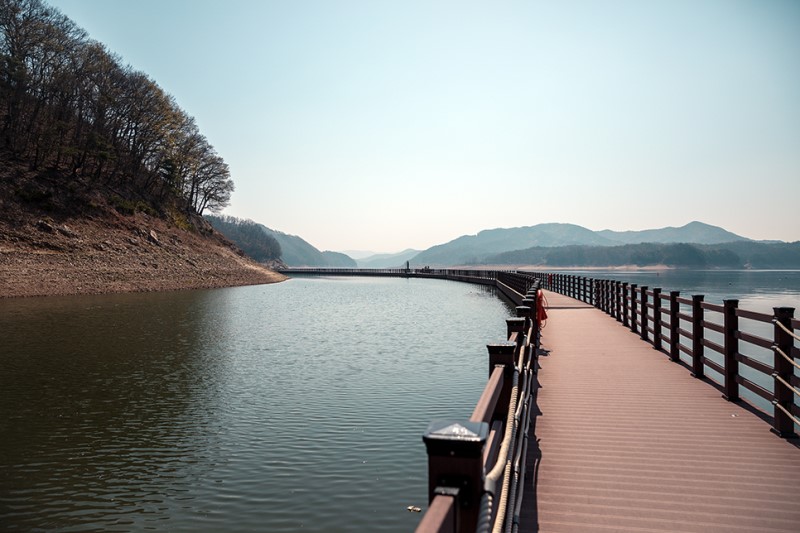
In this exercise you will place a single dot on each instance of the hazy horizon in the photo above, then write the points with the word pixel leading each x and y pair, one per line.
pixel 383 126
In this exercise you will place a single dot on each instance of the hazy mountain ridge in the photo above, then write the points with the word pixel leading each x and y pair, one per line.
pixel 296 252
pixel 742 254
pixel 396 260
pixel 693 232
pixel 499 245
pixel 472 248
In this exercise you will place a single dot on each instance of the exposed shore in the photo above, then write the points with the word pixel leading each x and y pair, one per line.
pixel 136 253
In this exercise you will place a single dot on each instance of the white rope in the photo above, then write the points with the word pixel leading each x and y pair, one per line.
pixel 787 330
pixel 786 356
pixel 776 376
pixel 782 408
pixel 514 459
pixel 503 464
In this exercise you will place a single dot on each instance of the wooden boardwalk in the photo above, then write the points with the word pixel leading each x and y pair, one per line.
pixel 629 441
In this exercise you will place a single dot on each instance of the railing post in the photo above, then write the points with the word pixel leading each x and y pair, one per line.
pixel 515 325
pixel 674 325
pixel 603 295
pixel 598 293
pixel 617 303
pixel 634 325
pixel 503 354
pixel 643 333
pixel 625 304
pixel 731 348
pixel 783 426
pixel 698 368
pixel 455 466
pixel 657 318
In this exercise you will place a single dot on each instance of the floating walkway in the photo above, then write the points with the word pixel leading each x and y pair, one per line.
pixel 627 440
pixel 595 422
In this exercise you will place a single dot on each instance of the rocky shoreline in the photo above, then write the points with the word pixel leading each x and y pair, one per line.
pixel 116 253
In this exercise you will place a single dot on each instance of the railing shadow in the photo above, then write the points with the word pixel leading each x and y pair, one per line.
pixel 529 514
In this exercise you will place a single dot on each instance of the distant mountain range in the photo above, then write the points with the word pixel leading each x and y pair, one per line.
pixel 692 233
pixel 488 244
pixel 397 260
pixel 695 245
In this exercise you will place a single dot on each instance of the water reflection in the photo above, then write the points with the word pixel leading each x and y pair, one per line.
pixel 97 397
pixel 284 407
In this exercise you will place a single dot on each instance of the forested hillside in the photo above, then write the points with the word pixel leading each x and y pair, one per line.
pixel 249 237
pixel 103 178
pixel 744 254
pixel 70 110
pixel 297 252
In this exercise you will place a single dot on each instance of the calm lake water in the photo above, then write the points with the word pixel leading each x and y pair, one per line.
pixel 287 407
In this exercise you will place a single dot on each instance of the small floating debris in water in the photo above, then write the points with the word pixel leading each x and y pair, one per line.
pixel 414 509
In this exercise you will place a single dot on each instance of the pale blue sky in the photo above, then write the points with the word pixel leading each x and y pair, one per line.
pixel 386 125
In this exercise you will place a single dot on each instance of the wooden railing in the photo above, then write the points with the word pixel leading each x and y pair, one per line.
pixel 476 467
pixel 745 365
pixel 487 277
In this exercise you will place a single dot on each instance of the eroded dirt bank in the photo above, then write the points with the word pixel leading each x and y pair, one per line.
pixel 116 253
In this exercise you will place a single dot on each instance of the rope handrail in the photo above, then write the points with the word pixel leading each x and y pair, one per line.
pixel 512 420
pixel 502 466
pixel 787 330
pixel 782 408
pixel 514 474
pixel 496 496
pixel 791 360
pixel 507 460
pixel 788 385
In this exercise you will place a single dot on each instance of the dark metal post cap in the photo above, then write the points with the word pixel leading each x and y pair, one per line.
pixel 502 348
pixel 515 324
pixel 455 438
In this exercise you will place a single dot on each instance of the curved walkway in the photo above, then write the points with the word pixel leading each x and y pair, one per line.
pixel 629 441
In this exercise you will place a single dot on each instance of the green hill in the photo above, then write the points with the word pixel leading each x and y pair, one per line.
pixel 744 254
pixel 296 252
